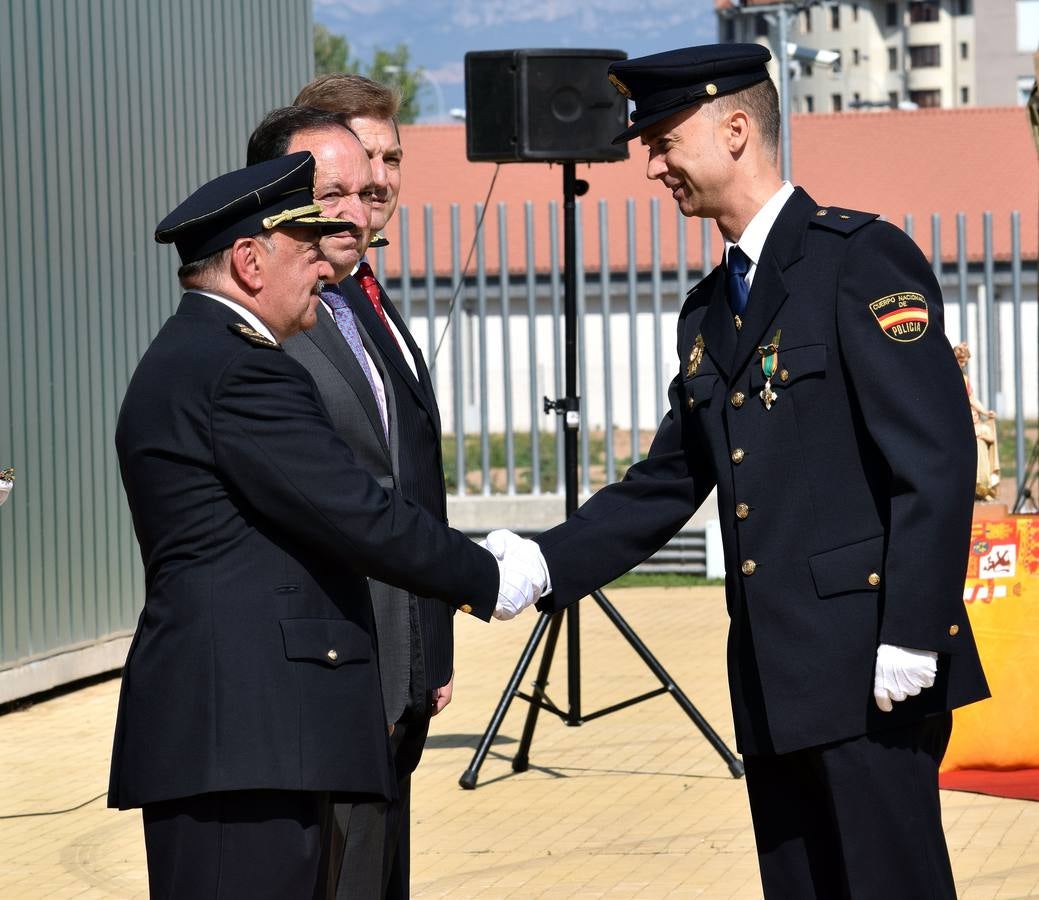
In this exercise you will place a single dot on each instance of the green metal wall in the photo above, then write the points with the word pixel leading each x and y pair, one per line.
pixel 111 112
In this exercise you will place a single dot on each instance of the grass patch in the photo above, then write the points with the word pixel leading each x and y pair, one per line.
pixel 663 579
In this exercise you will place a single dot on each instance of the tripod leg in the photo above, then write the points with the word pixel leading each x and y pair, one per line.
pixel 468 779
pixel 521 761
pixel 733 762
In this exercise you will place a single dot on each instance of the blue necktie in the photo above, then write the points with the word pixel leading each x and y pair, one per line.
pixel 347 325
pixel 737 266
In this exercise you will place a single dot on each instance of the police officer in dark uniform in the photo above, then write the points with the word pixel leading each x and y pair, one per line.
pixel 251 689
pixel 817 392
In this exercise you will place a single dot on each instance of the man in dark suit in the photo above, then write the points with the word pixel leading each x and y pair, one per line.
pixel 818 393
pixel 251 689
pixel 416 645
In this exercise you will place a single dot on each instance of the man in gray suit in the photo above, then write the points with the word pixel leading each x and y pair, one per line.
pixel 357 386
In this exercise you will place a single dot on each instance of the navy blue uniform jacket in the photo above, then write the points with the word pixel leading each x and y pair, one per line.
pixel 254 665
pixel 845 509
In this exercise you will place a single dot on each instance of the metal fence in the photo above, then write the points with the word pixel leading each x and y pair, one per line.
pixel 495 344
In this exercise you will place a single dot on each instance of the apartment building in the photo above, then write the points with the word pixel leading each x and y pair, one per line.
pixel 896 53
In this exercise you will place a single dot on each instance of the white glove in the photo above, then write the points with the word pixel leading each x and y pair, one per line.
pixel 515 592
pixel 518 560
pixel 902 672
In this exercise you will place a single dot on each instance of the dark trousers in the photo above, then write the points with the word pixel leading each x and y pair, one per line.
pixel 855 819
pixel 238 844
pixel 377 838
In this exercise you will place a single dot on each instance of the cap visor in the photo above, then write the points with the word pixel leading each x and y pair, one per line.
pixel 324 224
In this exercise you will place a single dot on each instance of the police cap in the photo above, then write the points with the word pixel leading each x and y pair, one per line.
pixel 278 193
pixel 665 83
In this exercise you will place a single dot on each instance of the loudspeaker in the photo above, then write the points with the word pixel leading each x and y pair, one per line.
pixel 543 106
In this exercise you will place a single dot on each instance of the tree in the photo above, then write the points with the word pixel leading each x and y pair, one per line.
pixel 390 67
pixel 331 53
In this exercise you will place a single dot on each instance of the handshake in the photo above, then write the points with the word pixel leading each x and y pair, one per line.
pixel 522 572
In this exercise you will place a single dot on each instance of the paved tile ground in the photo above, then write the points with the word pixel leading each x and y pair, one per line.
pixel 635 804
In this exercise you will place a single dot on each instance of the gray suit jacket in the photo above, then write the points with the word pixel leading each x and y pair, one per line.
pixel 351 406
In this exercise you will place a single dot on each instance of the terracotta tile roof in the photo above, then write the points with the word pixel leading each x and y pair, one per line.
pixel 891 162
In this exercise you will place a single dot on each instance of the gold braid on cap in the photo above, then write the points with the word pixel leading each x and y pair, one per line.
pixel 289 215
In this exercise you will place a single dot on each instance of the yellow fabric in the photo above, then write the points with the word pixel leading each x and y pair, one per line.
pixel 1002 596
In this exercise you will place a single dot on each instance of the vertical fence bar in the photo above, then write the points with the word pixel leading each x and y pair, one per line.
pixel 557 338
pixel 380 264
pixel 633 332
pixel 506 351
pixel 532 351
pixel 658 362
pixel 457 377
pixel 961 271
pixel 481 312
pixel 907 225
pixel 1019 377
pixel 582 348
pixel 936 253
pixel 991 318
pixel 607 367
pixel 431 287
pixel 681 262
pixel 705 247
pixel 405 267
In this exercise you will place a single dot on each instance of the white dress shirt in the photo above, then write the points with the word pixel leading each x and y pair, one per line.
pixel 753 238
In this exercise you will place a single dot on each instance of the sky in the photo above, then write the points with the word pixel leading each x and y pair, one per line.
pixel 440 32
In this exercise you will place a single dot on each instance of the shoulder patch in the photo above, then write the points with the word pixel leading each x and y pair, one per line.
pixel 253 336
pixel 844 221
pixel 902 316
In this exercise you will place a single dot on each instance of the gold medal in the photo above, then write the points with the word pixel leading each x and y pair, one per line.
pixel 769 365
pixel 695 356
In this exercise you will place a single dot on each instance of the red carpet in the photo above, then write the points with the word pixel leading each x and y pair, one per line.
pixel 1019 784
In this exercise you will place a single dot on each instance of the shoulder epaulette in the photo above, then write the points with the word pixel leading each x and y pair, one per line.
pixel 253 336
pixel 844 221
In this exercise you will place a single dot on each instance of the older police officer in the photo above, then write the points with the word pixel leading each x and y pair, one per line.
pixel 251 689
pixel 817 391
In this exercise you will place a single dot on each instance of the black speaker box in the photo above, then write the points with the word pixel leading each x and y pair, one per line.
pixel 543 106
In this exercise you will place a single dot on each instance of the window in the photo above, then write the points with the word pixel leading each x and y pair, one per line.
pixel 806 21
pixel 963 7
pixel 855 56
pixel 892 59
pixel 891 14
pixel 809 103
pixel 836 103
pixel 964 50
pixel 806 69
pixel 855 12
pixel 835 18
pixel 730 31
pixel 923 11
pixel 856 100
pixel 761 26
pixel 926 99
pixel 965 96
pixel 892 99
pixel 926 56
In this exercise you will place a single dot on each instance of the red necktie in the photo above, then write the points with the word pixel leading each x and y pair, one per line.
pixel 366 279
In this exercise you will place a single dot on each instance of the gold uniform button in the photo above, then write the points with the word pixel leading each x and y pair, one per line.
pixel 711 89
pixel 821 212
pixel 742 510
pixel 954 630
pixel 737 399
pixel 466 608
pixel 874 579
pixel 748 567
pixel 332 655
pixel 784 375
pixel 690 402
pixel 737 455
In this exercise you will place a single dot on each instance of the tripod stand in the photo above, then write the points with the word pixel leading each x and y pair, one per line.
pixel 1029 480
pixel 569 407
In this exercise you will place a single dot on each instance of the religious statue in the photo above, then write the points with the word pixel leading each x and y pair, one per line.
pixel 6 483
pixel 985 432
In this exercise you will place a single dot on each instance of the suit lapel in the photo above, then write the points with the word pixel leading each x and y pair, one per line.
pixel 783 247
pixel 717 328
pixel 330 341
pixel 424 379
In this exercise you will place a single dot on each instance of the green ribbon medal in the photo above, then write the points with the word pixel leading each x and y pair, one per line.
pixel 769 364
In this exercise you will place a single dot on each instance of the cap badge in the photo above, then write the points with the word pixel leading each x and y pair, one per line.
pixel 902 317
pixel 622 88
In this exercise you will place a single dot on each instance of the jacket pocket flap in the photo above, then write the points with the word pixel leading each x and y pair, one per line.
pixel 329 641
pixel 853 567
pixel 797 363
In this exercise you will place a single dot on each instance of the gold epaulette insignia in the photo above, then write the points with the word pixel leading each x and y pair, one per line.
pixel 253 336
